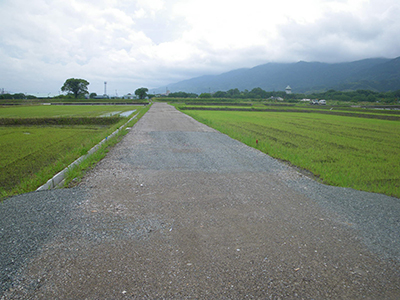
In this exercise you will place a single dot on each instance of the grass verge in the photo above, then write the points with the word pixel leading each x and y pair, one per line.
pixel 75 174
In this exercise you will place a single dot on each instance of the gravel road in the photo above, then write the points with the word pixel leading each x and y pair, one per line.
pixel 178 210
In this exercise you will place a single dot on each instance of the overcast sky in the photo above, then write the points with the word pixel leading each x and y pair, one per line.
pixel 150 43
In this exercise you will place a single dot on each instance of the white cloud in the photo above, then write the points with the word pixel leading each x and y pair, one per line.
pixel 156 42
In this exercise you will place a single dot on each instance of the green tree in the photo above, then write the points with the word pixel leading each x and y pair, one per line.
pixel 258 93
pixel 19 96
pixel 76 86
pixel 205 95
pixel 233 93
pixel 141 92
pixel 182 95
pixel 371 98
pixel 220 94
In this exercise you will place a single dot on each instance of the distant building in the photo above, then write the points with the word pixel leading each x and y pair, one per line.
pixel 166 93
pixel 288 90
pixel 314 102
pixel 129 96
pixel 101 97
pixel 276 98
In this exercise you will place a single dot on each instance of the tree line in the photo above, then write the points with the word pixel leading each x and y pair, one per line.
pixel 74 87
pixel 78 88
pixel 16 96
pixel 258 93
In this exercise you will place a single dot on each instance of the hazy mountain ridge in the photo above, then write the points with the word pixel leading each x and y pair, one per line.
pixel 379 74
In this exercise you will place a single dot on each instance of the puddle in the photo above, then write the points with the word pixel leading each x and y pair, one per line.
pixel 110 114
pixel 121 114
pixel 127 113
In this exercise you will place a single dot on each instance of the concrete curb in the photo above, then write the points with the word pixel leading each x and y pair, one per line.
pixel 58 179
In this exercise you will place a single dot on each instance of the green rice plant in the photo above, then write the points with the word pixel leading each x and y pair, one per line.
pixel 52 111
pixel 29 156
pixel 393 115
pixel 26 151
pixel 59 121
pixel 360 153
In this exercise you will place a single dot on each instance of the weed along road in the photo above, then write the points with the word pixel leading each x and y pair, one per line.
pixel 178 210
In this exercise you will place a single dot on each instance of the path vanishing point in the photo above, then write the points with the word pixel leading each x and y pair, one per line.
pixel 178 210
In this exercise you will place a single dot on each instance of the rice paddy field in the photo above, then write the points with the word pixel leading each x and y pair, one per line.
pixel 30 155
pixel 51 111
pixel 348 151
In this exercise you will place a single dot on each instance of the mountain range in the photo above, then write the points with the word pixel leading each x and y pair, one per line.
pixel 377 74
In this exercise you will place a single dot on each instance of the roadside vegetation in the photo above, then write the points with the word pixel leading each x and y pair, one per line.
pixel 43 140
pixel 341 146
pixel 75 174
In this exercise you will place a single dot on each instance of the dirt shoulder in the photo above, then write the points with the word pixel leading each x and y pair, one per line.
pixel 177 210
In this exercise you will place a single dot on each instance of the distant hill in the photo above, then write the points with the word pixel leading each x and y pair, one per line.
pixel 378 74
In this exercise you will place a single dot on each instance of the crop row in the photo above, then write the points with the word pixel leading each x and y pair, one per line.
pixel 58 121
pixel 328 112
pixel 344 151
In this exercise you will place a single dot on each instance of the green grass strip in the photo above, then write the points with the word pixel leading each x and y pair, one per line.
pixel 75 174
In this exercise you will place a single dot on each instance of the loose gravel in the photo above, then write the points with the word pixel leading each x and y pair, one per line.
pixel 178 210
pixel 27 222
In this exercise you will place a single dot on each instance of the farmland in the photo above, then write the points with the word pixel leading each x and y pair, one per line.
pixel 30 155
pixel 348 151
pixel 43 111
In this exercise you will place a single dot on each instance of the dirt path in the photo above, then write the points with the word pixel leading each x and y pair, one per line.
pixel 178 210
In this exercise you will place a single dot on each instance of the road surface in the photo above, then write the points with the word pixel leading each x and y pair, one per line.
pixel 178 210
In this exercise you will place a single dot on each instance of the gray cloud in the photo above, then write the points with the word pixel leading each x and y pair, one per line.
pixel 343 36
pixel 155 42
